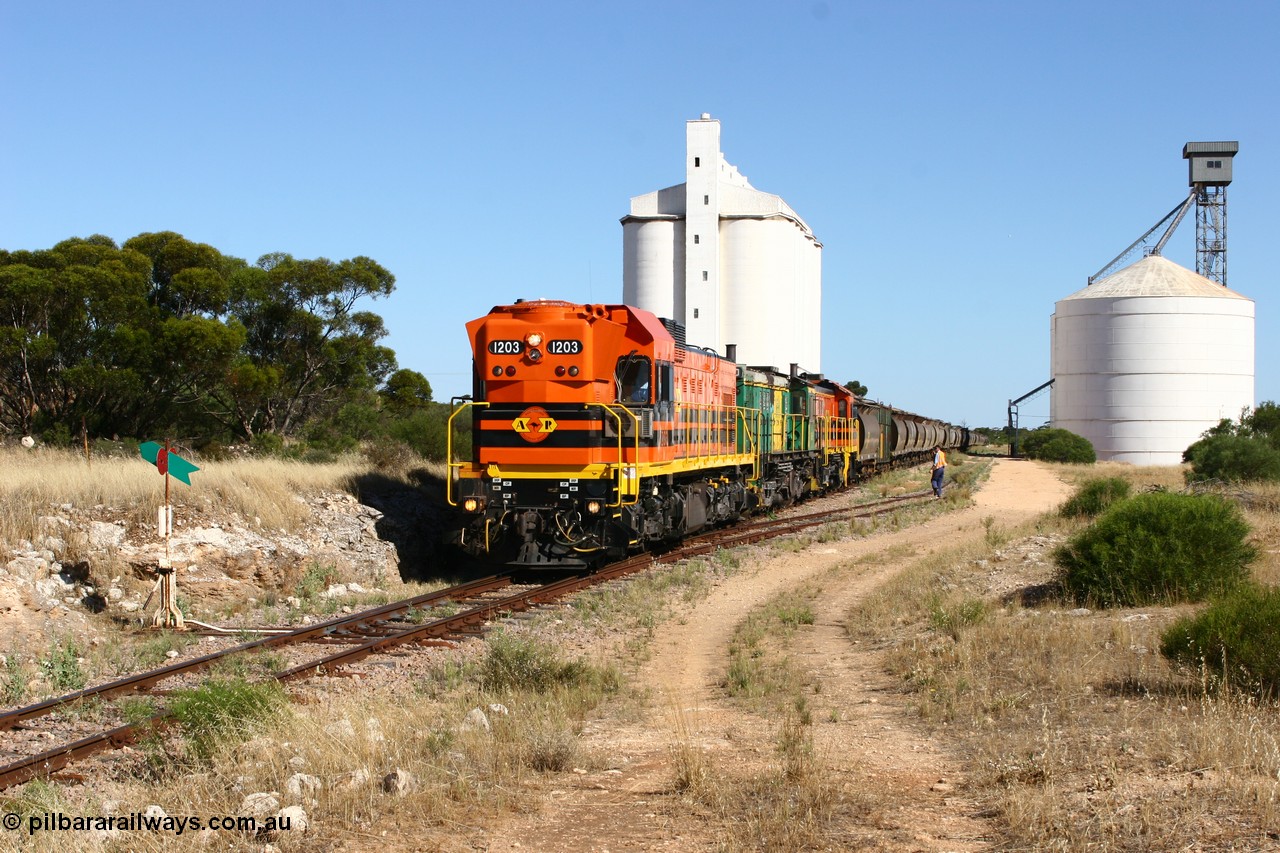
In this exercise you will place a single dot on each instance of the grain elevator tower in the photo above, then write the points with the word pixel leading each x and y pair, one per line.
pixel 1209 173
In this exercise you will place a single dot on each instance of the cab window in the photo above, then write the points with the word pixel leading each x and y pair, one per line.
pixel 633 379
pixel 665 382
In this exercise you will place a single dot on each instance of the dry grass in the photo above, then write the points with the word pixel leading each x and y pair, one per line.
pixel 1261 503
pixel 790 800
pixel 963 471
pixel 40 486
pixel 37 482
pixel 350 742
pixel 1078 734
pixel 1141 477
pixel 966 474
pixel 694 775
pixel 788 806
pixel 789 803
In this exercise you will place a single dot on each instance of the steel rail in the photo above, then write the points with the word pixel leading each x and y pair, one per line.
pixel 876 505
pixel 319 631
pixel 53 760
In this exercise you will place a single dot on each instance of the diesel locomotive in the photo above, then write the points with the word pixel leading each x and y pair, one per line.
pixel 597 431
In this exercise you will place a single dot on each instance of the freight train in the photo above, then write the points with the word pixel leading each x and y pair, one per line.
pixel 598 432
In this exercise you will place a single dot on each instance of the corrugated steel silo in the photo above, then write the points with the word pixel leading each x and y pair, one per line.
pixel 1147 359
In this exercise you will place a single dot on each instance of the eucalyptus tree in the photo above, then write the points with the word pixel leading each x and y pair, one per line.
pixel 75 333
pixel 307 351
pixel 163 333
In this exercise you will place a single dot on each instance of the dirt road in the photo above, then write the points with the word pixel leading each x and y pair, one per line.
pixel 899 789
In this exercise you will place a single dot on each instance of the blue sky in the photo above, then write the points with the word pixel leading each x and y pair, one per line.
pixel 965 164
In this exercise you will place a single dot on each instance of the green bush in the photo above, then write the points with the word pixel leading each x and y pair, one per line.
pixel 1237 458
pixel 1057 445
pixel 61 667
pixel 1094 496
pixel 1234 638
pixel 426 430
pixel 218 709
pixel 514 663
pixel 327 438
pixel 315 580
pixel 58 435
pixel 214 450
pixel 1157 548
pixel 389 454
pixel 952 617
pixel 267 444
pixel 13 682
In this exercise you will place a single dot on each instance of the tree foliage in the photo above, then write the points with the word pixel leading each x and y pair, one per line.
pixel 91 335
pixel 162 334
pixel 1057 445
pixel 307 352
pixel 856 387
pixel 406 391
pixel 1244 450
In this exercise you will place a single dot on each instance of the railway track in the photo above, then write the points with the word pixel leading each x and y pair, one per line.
pixel 381 629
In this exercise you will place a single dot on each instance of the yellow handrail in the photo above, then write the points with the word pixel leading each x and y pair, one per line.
pixel 621 467
pixel 793 431
pixel 752 440
pixel 709 432
pixel 839 437
pixel 448 451
pixel 837 432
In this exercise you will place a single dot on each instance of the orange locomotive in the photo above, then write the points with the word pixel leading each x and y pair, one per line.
pixel 597 431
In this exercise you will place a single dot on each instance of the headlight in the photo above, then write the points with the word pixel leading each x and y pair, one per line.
pixel 534 340
pixel 593 507
pixel 471 504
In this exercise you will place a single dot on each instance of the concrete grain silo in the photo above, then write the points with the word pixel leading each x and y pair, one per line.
pixel 1147 359
pixel 733 264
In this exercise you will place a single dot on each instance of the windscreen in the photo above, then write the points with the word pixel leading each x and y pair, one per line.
pixel 633 379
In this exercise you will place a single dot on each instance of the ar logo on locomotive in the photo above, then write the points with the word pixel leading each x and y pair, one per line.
pixel 534 424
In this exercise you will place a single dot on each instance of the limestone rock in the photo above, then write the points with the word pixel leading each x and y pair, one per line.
pixel 398 782
pixel 476 721
pixel 294 818
pixel 260 805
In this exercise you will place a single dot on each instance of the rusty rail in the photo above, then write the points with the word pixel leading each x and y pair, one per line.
pixel 319 631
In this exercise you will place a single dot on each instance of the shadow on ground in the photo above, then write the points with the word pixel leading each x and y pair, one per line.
pixel 418 522
pixel 1034 595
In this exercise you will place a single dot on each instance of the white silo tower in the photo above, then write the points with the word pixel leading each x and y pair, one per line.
pixel 1147 359
pixel 734 265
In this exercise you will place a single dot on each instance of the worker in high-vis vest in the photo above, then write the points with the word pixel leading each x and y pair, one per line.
pixel 939 469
